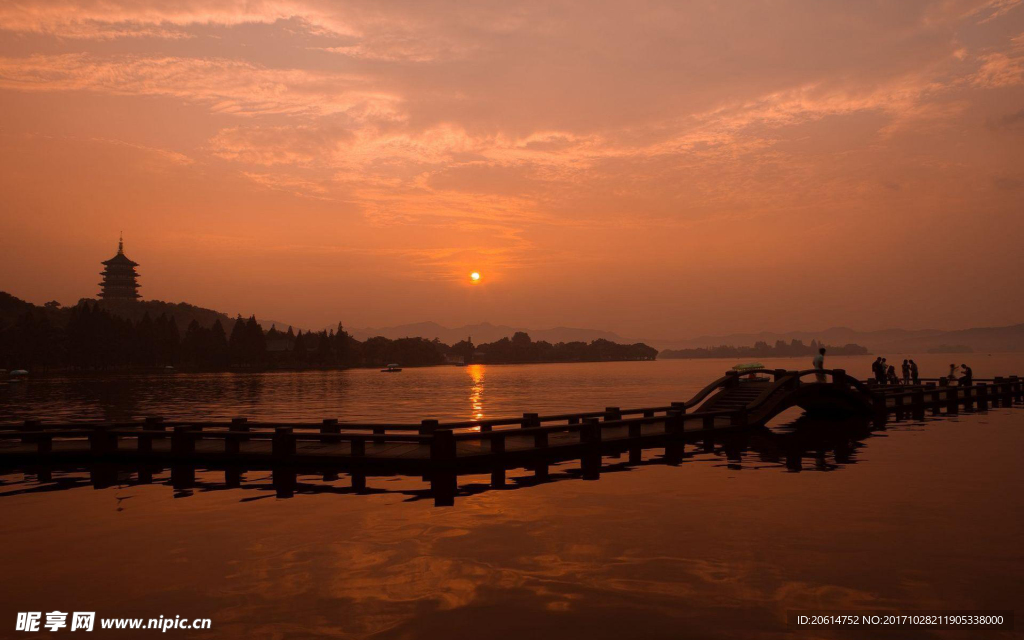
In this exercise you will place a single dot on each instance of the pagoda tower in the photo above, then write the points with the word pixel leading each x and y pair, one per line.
pixel 120 280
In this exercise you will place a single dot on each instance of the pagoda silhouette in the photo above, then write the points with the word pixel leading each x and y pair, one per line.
pixel 120 280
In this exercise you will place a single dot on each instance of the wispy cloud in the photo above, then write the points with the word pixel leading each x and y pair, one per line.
pixel 225 86
pixel 106 19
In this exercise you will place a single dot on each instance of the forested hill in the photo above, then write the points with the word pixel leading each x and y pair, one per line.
pixel 127 335
pixel 11 308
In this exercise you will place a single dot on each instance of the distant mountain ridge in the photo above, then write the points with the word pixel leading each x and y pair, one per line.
pixel 981 339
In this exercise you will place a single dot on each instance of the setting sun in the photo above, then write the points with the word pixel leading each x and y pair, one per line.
pixel 475 277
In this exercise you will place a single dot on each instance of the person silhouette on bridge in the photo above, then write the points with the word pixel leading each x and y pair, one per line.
pixel 952 374
pixel 914 373
pixel 819 363
pixel 906 371
pixel 891 376
pixel 967 376
pixel 878 371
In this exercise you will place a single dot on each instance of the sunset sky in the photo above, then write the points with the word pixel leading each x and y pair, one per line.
pixel 658 169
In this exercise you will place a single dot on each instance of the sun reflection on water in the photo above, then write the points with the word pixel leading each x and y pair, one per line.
pixel 476 392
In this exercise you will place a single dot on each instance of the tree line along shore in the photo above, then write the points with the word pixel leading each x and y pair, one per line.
pixel 89 336
pixel 761 349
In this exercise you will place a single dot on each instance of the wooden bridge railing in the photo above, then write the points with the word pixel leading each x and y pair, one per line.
pixel 595 433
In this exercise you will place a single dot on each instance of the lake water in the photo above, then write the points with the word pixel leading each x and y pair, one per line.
pixel 445 393
pixel 921 515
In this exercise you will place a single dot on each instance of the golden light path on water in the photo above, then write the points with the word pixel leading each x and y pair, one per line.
pixel 476 397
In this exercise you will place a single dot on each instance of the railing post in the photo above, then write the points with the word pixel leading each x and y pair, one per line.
pixel 44 443
pixel 953 400
pixel 1017 389
pixel 283 443
pixel 936 400
pixel 680 407
pixel 590 457
pixel 918 404
pixel 635 445
pixel 839 377
pixel 497 459
pixel 1007 394
pixel 540 445
pixel 357 447
pixel 101 442
pixel 357 455
pixel 428 427
pixel 144 443
pixel 443 480
pixel 531 420
pixel 330 425
pixel 233 443
pixel 881 409
pixel 969 398
pixel 675 443
pixel 31 426
pixel 778 374
pixel 182 441
pixel 613 413
pixel 982 396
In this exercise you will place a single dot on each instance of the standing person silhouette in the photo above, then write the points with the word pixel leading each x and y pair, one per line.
pixel 906 371
pixel 878 371
pixel 952 374
pixel 819 363
pixel 885 372
pixel 914 373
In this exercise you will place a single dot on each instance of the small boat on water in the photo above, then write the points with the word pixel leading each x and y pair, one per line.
pixel 391 368
pixel 18 373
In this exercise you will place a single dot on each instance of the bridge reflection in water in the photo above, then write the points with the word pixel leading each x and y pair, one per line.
pixel 805 444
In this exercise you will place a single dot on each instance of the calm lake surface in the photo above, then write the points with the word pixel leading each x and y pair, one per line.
pixel 921 515
pixel 444 393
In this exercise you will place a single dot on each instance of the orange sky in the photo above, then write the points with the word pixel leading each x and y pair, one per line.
pixel 659 169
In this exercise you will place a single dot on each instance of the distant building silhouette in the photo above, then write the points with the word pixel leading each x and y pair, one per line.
pixel 120 280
